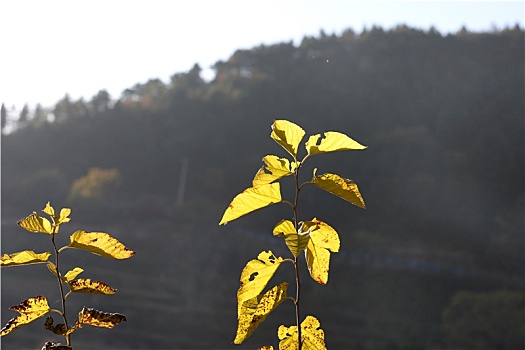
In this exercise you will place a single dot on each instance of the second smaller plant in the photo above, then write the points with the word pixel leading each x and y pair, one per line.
pixel 99 243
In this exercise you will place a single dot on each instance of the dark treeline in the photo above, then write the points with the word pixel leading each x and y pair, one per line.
pixel 443 179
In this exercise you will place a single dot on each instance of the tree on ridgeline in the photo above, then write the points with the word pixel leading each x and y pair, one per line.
pixel 3 112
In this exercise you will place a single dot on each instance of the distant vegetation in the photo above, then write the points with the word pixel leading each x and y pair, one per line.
pixel 443 115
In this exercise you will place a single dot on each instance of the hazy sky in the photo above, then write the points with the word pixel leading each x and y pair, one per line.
pixel 53 47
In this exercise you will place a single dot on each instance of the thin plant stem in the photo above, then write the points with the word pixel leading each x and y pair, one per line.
pixel 297 305
pixel 296 262
pixel 61 287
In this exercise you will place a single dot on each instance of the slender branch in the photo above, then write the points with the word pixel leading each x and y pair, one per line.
pixel 304 184
pixel 296 263
pixel 61 287
pixel 64 247
pixel 57 311
pixel 304 159
pixel 297 305
pixel 287 202
pixel 290 298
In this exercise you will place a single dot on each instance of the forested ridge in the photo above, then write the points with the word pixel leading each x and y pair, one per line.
pixel 443 180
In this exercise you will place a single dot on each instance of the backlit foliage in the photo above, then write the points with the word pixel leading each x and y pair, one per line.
pixel 95 184
pixel 315 238
pixel 99 243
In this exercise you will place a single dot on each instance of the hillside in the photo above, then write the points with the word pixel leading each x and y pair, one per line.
pixel 443 179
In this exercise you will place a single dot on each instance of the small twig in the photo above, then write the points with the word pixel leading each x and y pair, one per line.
pixel 287 202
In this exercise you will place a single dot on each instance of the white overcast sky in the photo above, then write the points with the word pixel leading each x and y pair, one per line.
pixel 52 47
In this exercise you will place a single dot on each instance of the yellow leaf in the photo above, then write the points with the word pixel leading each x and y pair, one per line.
pixel 323 239
pixel 100 319
pixel 74 328
pixel 288 337
pixel 318 261
pixel 29 310
pixel 254 311
pixel 52 268
pixel 288 135
pixel 266 347
pixel 251 199
pixel 331 141
pixel 296 241
pixel 24 258
pixel 85 285
pixel 323 235
pixel 256 274
pixel 72 274
pixel 283 228
pixel 35 223
pixel 63 218
pixel 342 188
pixel 274 169
pixel 49 210
pixel 312 336
pixel 100 243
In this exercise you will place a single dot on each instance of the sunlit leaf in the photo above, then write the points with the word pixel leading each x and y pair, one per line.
pixel 323 239
pixel 273 170
pixel 52 268
pixel 69 276
pixel 49 210
pixel 74 328
pixel 288 135
pixel 256 274
pixel 331 141
pixel 25 257
pixel 295 241
pixel 35 223
pixel 100 319
pixel 29 310
pixel 85 285
pixel 100 243
pixel 72 274
pixel 251 199
pixel 283 228
pixel 318 262
pixel 288 338
pixel 323 235
pixel 342 188
pixel 266 347
pixel 311 333
pixel 254 311
pixel 63 217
